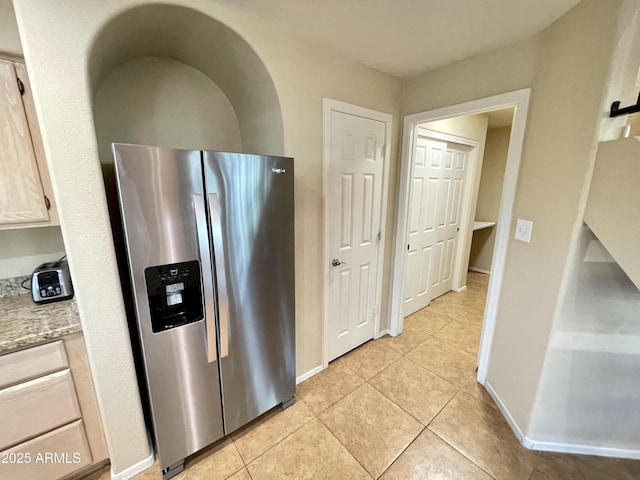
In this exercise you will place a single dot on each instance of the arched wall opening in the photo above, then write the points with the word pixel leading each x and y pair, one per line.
pixel 143 55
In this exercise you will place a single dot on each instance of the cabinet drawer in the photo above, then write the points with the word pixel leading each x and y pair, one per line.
pixel 31 363
pixel 35 407
pixel 49 456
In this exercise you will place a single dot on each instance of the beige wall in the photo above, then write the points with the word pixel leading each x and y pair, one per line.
pixel 159 101
pixel 489 193
pixel 569 83
pixel 472 127
pixel 9 36
pixel 22 250
pixel 502 70
pixel 57 40
pixel 567 68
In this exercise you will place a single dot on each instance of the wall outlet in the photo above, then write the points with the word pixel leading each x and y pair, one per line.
pixel 523 230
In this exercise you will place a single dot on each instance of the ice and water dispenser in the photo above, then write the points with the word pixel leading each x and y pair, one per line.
pixel 175 295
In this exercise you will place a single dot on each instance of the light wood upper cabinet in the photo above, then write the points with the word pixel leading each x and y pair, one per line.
pixel 25 188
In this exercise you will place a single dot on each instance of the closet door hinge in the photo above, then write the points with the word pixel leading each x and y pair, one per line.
pixel 384 150
pixel 20 86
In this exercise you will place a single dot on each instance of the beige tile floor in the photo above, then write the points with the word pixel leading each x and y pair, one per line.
pixel 396 408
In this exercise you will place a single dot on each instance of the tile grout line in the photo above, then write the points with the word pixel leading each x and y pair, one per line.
pixel 483 400
pixel 244 467
pixel 348 393
pixel 451 445
pixel 246 464
pixel 425 427
pixel 404 450
pixel 459 390
pixel 347 449
pixel 434 373
pixel 367 381
pixel 400 407
pixel 474 354
pixel 430 371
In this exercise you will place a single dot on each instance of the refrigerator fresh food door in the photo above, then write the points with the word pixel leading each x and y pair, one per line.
pixel 251 222
pixel 163 210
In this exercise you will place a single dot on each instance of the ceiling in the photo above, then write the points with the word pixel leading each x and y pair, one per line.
pixel 407 37
pixel 398 37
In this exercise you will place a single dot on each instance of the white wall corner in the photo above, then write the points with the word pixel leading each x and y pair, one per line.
pixel 134 470
pixel 460 289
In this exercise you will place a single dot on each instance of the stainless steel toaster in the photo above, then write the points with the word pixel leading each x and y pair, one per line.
pixel 51 282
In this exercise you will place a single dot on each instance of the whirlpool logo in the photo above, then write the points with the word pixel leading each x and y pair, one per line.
pixel 278 171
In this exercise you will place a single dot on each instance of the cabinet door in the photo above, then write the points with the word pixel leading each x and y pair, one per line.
pixel 21 194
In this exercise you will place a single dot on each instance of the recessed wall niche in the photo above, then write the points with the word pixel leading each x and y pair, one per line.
pixel 174 77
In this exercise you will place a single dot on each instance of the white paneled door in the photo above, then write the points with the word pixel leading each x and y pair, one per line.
pixel 435 205
pixel 356 170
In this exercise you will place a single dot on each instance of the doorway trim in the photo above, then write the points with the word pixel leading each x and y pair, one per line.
pixel 329 105
pixel 519 100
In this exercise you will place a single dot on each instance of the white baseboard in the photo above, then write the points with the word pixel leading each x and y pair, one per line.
pixel 460 289
pixel 512 423
pixel 544 446
pixel 480 270
pixel 584 449
pixel 134 470
pixel 308 374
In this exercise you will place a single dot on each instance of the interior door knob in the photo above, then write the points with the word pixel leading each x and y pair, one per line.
pixel 335 262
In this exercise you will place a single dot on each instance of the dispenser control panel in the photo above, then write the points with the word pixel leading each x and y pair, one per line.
pixel 175 295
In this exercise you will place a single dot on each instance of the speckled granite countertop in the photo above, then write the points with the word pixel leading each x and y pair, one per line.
pixel 24 323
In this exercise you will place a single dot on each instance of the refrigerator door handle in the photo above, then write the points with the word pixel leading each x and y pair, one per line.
pixel 207 278
pixel 221 272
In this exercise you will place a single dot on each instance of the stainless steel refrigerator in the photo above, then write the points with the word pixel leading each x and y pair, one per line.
pixel 209 239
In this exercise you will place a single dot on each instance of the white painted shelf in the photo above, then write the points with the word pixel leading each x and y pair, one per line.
pixel 619 344
pixel 479 225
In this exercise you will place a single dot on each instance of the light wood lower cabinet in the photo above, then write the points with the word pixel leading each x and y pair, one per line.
pixel 50 425
pixel 31 363
pixel 38 406
pixel 53 455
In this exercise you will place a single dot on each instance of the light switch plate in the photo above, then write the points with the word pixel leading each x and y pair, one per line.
pixel 523 230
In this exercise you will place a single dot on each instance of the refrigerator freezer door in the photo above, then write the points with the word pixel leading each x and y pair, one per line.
pixel 159 192
pixel 251 206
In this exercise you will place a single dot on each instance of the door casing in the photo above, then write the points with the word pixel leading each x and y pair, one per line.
pixel 519 100
pixel 330 105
